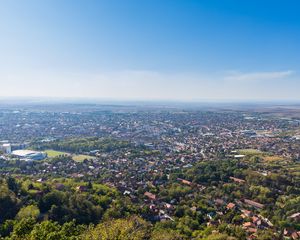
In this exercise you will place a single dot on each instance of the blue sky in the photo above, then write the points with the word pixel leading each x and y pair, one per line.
pixel 151 49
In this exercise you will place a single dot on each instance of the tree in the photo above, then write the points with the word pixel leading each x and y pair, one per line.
pixel 71 229
pixel 45 230
pixel 219 236
pixel 30 211
pixel 12 184
pixel 133 228
pixel 83 210
pixel 6 228
pixel 8 204
pixel 23 228
pixel 166 234
pixel 53 198
pixel 267 235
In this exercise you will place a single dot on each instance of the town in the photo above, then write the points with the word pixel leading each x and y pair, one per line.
pixel 223 171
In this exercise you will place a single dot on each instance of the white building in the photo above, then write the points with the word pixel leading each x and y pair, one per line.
pixel 6 148
pixel 29 155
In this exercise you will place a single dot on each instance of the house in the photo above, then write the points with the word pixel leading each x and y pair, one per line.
pixel 246 213
pixel 184 181
pixel 40 180
pixel 165 217
pixel 151 196
pixel 291 234
pixel 252 236
pixel 295 216
pixel 81 188
pixel 254 204
pixel 153 208
pixel 230 206
pixel 239 156
pixel 126 192
pixel 295 235
pixel 237 180
pixel 219 202
pixel 248 224
pixel 251 230
pixel 168 206
pixel 255 219
pixel 194 209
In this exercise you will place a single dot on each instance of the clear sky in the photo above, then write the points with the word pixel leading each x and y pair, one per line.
pixel 151 49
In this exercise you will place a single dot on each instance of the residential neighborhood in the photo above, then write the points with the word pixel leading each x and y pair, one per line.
pixel 175 165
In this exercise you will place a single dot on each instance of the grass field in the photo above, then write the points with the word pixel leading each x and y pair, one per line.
pixel 80 158
pixel 268 157
pixel 249 151
pixel 53 153
pixel 76 157
pixel 273 158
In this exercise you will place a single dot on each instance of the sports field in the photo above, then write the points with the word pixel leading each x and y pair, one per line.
pixel 53 153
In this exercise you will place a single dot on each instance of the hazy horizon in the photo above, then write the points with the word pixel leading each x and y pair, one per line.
pixel 110 101
pixel 188 51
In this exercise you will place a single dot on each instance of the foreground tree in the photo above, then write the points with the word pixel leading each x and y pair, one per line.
pixel 133 228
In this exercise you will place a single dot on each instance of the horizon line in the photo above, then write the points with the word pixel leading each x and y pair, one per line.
pixel 51 99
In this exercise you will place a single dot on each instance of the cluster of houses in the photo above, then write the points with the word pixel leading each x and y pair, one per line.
pixel 169 140
pixel 202 133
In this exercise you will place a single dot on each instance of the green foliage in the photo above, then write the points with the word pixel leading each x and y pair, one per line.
pixel 12 184
pixel 46 230
pixel 8 204
pixel 30 211
pixel 52 198
pixel 22 228
pixel 40 210
pixel 84 145
pixel 219 236
pixel 133 228
pixel 6 228
pixel 167 234
pixel 83 210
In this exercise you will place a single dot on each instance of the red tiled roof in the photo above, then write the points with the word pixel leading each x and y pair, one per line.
pixel 230 205
pixel 237 180
pixel 150 195
pixel 254 204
